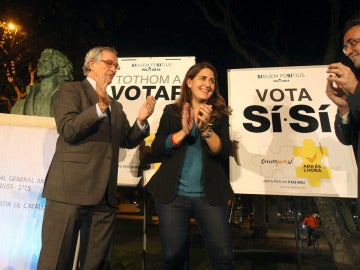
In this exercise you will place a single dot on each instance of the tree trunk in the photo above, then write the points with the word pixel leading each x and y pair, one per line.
pixel 335 231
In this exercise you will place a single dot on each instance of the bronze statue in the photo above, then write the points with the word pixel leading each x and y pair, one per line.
pixel 53 68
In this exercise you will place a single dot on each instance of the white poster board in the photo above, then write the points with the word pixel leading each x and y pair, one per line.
pixel 137 78
pixel 28 145
pixel 282 125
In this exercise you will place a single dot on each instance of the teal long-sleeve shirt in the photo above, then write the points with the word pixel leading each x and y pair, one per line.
pixel 190 180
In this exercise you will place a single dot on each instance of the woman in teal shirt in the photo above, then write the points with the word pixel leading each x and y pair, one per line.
pixel 193 141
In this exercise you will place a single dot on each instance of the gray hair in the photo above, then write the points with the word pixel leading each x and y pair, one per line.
pixel 95 55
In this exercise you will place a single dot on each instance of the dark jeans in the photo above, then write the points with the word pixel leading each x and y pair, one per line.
pixel 174 222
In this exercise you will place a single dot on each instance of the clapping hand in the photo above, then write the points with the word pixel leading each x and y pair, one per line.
pixel 187 118
pixel 104 98
pixel 203 117
pixel 147 109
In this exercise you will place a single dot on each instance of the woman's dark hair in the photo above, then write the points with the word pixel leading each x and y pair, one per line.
pixel 216 100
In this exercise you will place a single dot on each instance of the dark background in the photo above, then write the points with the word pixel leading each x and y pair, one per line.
pixel 138 28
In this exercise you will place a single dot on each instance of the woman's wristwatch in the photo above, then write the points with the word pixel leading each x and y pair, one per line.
pixel 208 134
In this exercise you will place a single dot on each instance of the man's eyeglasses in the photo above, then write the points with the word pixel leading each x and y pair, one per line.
pixel 110 63
pixel 350 44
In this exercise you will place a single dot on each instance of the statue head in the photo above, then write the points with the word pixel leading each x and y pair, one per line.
pixel 54 63
pixel 53 69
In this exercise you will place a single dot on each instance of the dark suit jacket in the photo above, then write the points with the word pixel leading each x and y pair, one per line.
pixel 85 163
pixel 349 134
pixel 164 182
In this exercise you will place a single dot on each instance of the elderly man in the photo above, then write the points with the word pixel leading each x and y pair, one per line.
pixel 81 184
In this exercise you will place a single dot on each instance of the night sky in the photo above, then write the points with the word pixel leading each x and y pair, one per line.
pixel 140 28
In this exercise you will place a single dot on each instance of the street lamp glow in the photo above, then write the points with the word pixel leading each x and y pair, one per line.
pixel 12 26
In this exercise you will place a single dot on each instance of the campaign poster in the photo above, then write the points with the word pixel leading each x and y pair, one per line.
pixel 283 135
pixel 138 78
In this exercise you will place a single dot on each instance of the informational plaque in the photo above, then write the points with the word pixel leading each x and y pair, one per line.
pixel 28 145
